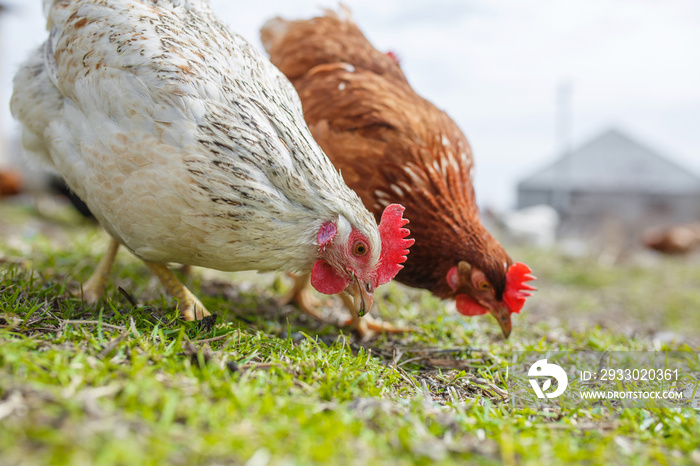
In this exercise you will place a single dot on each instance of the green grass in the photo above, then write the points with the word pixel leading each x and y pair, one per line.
pixel 120 383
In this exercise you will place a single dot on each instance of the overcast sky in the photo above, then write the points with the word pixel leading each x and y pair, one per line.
pixel 495 66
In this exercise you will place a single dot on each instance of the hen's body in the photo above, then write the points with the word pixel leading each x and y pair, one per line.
pixel 676 239
pixel 188 146
pixel 391 145
pixel 183 156
pixel 10 182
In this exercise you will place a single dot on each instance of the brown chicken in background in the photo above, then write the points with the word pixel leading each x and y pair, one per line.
pixel 10 182
pixel 391 145
pixel 676 239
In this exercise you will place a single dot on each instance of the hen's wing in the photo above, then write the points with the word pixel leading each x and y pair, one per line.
pixel 378 129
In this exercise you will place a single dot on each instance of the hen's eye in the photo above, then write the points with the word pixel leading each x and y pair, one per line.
pixel 360 249
pixel 484 286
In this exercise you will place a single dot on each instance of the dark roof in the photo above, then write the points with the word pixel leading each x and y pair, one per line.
pixel 614 162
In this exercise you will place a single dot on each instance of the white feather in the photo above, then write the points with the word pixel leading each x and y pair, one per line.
pixel 185 142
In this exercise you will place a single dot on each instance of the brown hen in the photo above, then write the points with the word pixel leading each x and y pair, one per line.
pixel 676 239
pixel 10 182
pixel 391 145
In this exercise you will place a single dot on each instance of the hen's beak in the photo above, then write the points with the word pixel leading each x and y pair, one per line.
pixel 502 315
pixel 361 295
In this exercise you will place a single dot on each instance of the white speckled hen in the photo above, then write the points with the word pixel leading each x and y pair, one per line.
pixel 190 147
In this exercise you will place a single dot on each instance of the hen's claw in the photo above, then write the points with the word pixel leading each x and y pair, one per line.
pixel 190 307
pixel 368 327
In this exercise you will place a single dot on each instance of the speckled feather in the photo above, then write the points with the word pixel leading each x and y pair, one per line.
pixel 184 141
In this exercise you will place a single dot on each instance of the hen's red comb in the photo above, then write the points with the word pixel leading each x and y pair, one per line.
pixel 394 57
pixel 516 288
pixel 394 244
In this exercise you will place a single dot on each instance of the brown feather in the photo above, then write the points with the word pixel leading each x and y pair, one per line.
pixel 298 46
pixel 391 145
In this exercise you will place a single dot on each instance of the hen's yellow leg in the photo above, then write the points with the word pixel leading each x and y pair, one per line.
pixel 368 326
pixel 94 287
pixel 302 296
pixel 191 308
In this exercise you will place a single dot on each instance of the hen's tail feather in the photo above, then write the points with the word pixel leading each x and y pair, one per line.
pixel 274 29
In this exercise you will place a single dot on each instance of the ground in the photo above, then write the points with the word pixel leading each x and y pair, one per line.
pixel 127 382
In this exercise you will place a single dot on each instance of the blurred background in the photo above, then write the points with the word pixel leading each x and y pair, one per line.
pixel 585 113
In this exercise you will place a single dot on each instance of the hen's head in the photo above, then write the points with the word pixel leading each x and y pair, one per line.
pixel 498 288
pixel 348 261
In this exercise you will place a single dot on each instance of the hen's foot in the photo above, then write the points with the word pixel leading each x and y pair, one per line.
pixel 94 287
pixel 303 297
pixel 190 307
pixel 368 327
